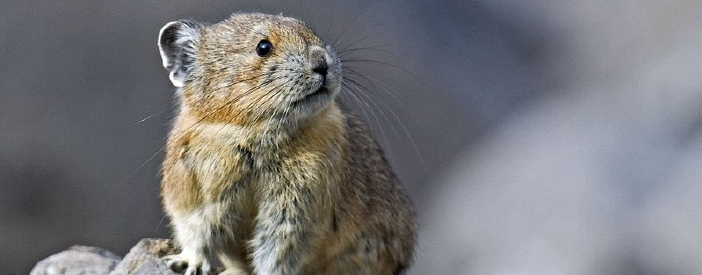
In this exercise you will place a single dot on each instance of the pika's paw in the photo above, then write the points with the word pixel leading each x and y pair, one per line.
pixel 233 271
pixel 196 265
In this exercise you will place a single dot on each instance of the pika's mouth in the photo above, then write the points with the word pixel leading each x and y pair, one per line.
pixel 319 94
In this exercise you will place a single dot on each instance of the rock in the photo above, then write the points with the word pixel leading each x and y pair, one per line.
pixel 145 258
pixel 77 260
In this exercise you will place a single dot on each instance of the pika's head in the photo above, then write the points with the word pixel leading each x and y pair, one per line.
pixel 250 68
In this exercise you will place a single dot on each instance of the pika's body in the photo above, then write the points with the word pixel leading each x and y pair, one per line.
pixel 263 169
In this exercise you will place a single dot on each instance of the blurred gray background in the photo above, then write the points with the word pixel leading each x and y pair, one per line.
pixel 535 136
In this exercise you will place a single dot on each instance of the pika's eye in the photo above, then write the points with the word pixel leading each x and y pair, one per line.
pixel 264 48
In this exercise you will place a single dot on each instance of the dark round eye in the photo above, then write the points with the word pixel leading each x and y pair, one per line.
pixel 264 48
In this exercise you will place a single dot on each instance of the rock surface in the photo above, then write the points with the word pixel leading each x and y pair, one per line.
pixel 143 259
pixel 78 260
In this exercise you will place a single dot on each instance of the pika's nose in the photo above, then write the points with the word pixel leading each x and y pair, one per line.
pixel 318 57
pixel 321 68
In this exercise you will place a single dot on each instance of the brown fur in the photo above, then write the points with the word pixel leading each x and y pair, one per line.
pixel 299 194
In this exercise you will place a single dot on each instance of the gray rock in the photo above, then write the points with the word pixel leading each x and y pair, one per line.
pixel 145 258
pixel 77 260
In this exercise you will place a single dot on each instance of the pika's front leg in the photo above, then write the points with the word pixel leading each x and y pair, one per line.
pixel 284 231
pixel 195 239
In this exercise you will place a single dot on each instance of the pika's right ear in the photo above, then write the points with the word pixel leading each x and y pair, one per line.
pixel 178 42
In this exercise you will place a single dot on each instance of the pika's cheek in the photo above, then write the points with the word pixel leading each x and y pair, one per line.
pixel 260 101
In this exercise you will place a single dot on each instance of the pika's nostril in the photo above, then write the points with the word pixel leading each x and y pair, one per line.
pixel 321 68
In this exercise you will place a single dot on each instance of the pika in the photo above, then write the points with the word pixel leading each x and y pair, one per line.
pixel 263 168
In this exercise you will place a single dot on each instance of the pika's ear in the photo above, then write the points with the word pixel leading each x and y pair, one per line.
pixel 178 42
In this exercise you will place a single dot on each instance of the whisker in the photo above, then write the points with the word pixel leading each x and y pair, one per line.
pixel 353 22
pixel 363 39
pixel 331 23
pixel 387 89
pixel 369 48
pixel 145 119
pixel 361 60
pixel 361 103
pixel 370 109
pixel 360 88
pixel 396 117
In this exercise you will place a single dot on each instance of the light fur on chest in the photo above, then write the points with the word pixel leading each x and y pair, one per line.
pixel 230 177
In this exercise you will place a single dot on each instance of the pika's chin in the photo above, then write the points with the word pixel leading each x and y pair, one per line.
pixel 314 102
